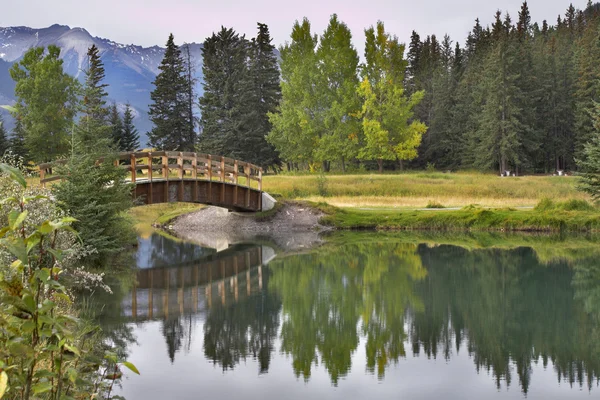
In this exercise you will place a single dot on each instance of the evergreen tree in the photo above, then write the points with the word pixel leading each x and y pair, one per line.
pixel 4 142
pixel 116 124
pixel 93 127
pixel 45 102
pixel 17 140
pixel 590 162
pixel 130 139
pixel 95 193
pixel 225 105
pixel 502 126
pixel 264 76
pixel 169 110
pixel 190 96
pixel 587 59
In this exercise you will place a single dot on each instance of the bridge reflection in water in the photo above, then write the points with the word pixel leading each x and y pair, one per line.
pixel 224 277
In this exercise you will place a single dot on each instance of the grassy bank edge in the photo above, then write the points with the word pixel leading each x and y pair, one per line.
pixel 466 219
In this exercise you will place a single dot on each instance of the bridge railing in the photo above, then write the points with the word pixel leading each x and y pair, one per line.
pixel 169 165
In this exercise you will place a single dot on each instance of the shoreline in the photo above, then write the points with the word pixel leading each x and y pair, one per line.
pixel 295 226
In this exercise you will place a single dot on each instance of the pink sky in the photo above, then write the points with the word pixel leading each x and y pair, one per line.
pixel 148 22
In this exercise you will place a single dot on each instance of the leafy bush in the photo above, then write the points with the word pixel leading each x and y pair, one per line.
pixel 434 204
pixel 45 351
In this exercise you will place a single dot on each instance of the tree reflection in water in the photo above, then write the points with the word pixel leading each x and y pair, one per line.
pixel 509 309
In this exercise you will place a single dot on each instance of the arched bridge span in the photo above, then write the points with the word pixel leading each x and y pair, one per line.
pixel 168 176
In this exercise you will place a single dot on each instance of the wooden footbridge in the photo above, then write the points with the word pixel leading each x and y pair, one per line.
pixel 168 176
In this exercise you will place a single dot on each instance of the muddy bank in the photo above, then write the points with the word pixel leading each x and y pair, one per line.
pixel 292 227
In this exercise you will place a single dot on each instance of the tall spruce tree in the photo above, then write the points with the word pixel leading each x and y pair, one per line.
pixel 590 162
pixel 17 140
pixel 46 100
pixel 169 110
pixel 190 95
pixel 266 90
pixel 226 103
pixel 116 124
pixel 130 139
pixel 4 141
pixel 93 192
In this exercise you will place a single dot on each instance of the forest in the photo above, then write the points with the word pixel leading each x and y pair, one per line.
pixel 518 96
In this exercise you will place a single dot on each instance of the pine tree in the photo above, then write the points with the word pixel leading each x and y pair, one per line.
pixel 502 127
pixel 190 96
pixel 226 94
pixel 4 142
pixel 17 140
pixel 93 128
pixel 590 162
pixel 99 216
pixel 264 77
pixel 169 110
pixel 130 140
pixel 116 124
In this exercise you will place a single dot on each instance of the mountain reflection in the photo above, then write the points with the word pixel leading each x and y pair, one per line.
pixel 507 309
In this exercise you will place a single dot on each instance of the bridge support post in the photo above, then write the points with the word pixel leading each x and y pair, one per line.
pixel 248 182
pixel 133 174
pixel 165 174
pixel 195 177
pixel 180 173
pixel 235 180
pixel 209 179
pixel 222 178
pixel 150 200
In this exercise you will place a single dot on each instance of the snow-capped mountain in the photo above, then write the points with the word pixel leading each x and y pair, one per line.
pixel 130 69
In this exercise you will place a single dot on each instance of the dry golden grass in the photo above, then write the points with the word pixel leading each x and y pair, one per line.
pixel 416 190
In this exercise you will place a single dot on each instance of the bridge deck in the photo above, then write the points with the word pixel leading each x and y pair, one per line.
pixel 166 176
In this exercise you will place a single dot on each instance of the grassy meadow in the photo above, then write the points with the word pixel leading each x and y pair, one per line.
pixel 422 189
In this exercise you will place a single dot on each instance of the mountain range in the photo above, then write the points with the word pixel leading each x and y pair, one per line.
pixel 130 69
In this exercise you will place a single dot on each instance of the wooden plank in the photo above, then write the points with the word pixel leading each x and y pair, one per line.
pixel 165 173
pixel 235 181
pixel 195 177
pixel 180 174
pixel 222 180
pixel 209 165
pixel 149 167
pixel 132 167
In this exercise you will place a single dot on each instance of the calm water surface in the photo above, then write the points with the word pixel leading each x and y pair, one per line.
pixel 367 317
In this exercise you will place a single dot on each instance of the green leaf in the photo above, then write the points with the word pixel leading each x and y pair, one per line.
pixel 131 367
pixel 20 219
pixel 14 174
pixel 41 387
pixel 29 302
pixel 72 349
pixel 3 383
pixel 11 109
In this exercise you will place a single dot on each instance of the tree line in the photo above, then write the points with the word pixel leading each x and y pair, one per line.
pixel 517 96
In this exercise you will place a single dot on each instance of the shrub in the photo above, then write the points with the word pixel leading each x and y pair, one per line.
pixel 434 204
pixel 45 351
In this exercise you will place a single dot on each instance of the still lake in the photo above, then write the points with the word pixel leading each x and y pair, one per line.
pixel 365 316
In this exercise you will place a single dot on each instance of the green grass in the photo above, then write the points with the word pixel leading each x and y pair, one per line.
pixel 144 217
pixel 417 189
pixel 465 219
